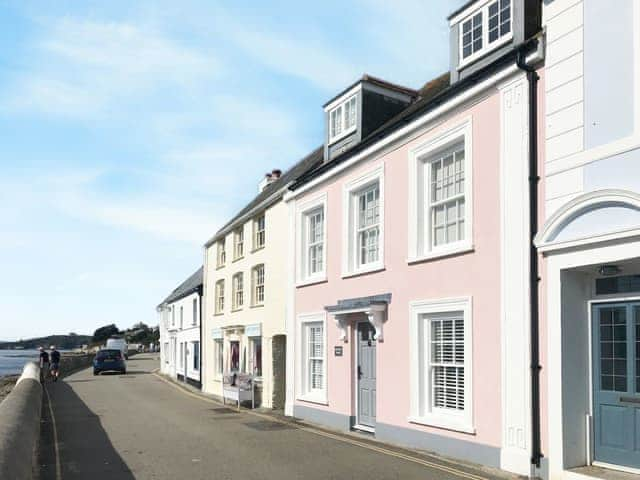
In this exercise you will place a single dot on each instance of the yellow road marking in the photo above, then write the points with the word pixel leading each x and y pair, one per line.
pixel 55 435
pixel 391 453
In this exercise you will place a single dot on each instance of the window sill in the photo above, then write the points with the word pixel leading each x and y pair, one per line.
pixel 237 259
pixel 318 400
pixel 257 249
pixel 453 424
pixel 219 267
pixel 312 281
pixel 441 253
pixel 377 267
pixel 259 305
pixel 239 309
pixel 218 314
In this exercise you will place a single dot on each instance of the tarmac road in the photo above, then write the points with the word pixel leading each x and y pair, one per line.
pixel 140 426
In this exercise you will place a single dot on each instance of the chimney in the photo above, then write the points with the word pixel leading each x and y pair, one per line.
pixel 268 178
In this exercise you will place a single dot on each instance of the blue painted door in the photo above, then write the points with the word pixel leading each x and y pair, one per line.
pixel 366 375
pixel 616 384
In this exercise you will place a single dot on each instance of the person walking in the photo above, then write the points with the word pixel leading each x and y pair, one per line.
pixel 55 363
pixel 44 364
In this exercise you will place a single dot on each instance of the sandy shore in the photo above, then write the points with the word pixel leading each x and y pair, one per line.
pixel 6 385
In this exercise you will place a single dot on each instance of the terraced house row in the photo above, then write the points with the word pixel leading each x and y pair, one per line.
pixel 456 268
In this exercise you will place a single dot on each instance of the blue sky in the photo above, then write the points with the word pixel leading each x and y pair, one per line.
pixel 130 131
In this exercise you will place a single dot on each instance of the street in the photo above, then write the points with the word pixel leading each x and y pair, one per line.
pixel 139 426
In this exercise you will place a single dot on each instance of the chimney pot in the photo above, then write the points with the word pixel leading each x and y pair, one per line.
pixel 275 173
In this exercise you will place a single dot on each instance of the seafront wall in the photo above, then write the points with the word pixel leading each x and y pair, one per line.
pixel 20 425
pixel 72 362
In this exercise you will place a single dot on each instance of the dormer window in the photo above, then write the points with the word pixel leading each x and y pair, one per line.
pixel 485 29
pixel 342 119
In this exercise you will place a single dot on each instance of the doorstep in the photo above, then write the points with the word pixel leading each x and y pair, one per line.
pixel 592 472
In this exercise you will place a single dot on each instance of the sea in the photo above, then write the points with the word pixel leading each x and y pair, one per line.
pixel 12 361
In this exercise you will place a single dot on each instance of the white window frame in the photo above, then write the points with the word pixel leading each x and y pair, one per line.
pixel 419 232
pixel 218 348
pixel 259 236
pixel 251 353
pixel 235 291
pixel 421 409
pixel 195 345
pixel 350 249
pixel 194 320
pixel 486 46
pixel 304 209
pixel 344 130
pixel 302 375
pixel 181 317
pixel 221 253
pixel 238 243
pixel 219 297
pixel 255 302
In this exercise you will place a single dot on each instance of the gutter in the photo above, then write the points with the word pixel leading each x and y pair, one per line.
pixel 534 278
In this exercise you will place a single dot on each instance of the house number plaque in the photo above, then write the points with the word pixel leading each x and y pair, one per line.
pixel 337 351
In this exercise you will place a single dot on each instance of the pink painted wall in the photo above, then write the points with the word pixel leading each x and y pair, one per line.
pixel 476 274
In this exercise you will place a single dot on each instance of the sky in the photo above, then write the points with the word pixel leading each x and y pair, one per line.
pixel 131 131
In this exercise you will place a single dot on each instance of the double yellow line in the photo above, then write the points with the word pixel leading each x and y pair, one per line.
pixel 384 451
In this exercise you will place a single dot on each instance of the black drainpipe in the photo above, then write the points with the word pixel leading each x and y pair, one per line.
pixel 534 278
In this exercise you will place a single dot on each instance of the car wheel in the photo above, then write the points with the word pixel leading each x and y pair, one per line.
pixel 124 372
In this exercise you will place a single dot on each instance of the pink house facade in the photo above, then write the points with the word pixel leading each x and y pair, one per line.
pixel 409 305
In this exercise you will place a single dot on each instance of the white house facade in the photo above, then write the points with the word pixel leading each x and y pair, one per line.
pixel 180 332
pixel 590 238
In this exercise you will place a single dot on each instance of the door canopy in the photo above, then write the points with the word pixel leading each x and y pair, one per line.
pixel 592 217
pixel 374 307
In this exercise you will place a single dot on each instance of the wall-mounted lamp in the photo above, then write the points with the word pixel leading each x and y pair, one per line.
pixel 609 270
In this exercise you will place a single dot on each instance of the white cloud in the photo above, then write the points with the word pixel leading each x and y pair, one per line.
pixel 88 68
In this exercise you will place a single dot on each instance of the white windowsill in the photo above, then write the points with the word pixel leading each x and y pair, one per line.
pixel 317 399
pixel 443 252
pixel 453 424
pixel 374 267
pixel 312 280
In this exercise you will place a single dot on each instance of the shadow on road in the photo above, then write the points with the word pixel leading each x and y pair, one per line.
pixel 85 451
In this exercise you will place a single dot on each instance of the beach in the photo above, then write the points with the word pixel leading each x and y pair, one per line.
pixel 6 385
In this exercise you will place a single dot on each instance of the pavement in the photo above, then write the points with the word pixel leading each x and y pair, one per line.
pixel 141 426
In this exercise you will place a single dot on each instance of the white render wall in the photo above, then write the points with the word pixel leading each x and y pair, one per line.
pixel 564 100
pixel 592 98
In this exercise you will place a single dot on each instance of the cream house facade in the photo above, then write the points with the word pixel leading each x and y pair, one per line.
pixel 245 279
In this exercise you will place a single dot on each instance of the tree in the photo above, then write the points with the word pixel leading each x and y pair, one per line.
pixel 103 333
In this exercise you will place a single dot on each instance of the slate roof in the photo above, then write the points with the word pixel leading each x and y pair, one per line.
pixel 375 81
pixel 190 285
pixel 272 192
pixel 432 94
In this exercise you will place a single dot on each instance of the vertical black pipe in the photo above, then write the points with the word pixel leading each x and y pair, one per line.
pixel 532 77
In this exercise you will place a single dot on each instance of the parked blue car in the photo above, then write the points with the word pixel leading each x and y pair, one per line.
pixel 109 360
